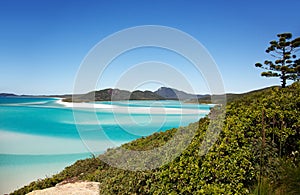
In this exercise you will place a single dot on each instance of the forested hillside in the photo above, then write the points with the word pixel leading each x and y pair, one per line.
pixel 257 152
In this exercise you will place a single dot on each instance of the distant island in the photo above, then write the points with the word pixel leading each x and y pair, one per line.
pixel 163 93
pixel 7 95
pixel 109 94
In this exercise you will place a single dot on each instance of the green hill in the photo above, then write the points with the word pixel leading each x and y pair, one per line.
pixel 257 152
pixel 113 95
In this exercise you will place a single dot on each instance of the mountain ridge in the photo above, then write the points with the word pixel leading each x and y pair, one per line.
pixel 172 93
pixel 110 94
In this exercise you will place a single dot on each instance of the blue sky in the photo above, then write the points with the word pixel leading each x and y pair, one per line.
pixel 42 43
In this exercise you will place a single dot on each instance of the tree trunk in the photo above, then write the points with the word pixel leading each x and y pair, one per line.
pixel 283 77
pixel 283 71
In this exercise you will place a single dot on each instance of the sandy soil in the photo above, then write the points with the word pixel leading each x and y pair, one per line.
pixel 77 188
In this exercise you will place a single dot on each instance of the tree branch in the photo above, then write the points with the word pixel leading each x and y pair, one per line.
pixel 278 52
pixel 275 56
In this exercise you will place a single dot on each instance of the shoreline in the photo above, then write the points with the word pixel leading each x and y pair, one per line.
pixel 132 110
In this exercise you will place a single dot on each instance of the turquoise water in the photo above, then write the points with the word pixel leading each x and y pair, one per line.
pixel 40 136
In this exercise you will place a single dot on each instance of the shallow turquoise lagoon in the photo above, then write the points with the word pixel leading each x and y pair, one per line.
pixel 40 136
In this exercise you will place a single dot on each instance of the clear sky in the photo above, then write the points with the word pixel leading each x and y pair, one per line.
pixel 43 42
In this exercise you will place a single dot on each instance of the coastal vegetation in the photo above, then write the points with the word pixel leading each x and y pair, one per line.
pixel 257 152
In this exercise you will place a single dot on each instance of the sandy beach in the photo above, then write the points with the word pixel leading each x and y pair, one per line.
pixel 131 110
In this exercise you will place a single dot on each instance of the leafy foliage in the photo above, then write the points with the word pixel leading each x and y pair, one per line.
pixel 286 65
pixel 260 138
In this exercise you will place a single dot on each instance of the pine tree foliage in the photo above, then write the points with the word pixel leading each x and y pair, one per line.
pixel 285 65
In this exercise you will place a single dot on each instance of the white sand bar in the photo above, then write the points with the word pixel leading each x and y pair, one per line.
pixel 131 110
